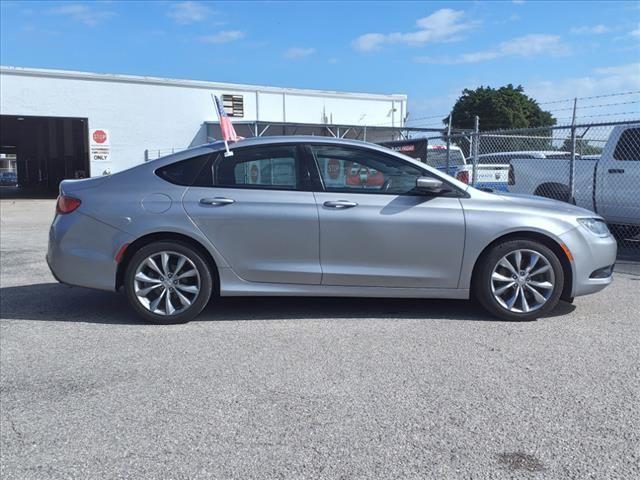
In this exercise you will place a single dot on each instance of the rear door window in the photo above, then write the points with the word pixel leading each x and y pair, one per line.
pixel 275 167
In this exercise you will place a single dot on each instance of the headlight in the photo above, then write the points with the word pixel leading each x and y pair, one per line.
pixel 595 226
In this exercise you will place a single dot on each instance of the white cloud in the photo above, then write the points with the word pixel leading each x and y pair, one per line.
pixel 441 26
pixel 590 29
pixel 602 80
pixel 188 12
pixel 630 70
pixel 532 45
pixel 299 52
pixel 83 13
pixel 518 2
pixel 224 36
pixel 636 32
pixel 369 42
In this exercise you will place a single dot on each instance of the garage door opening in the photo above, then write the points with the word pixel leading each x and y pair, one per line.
pixel 37 153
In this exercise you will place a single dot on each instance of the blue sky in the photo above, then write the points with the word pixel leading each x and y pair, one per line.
pixel 428 50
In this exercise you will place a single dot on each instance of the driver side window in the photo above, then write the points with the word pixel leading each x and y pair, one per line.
pixel 355 170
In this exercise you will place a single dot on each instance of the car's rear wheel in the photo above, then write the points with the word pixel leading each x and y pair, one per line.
pixel 168 282
pixel 519 280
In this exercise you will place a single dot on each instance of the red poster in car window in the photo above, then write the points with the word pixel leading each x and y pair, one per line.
pixel 363 176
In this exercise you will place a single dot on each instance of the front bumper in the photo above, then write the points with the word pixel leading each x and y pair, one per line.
pixel 590 254
pixel 82 251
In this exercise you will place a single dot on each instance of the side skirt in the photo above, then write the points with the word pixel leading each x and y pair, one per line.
pixel 233 286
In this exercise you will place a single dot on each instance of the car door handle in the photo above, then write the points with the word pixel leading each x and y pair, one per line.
pixel 340 204
pixel 216 201
pixel 616 170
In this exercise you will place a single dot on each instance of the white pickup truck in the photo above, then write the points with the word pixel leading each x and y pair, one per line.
pixel 608 185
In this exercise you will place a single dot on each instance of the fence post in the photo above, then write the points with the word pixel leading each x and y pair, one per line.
pixel 146 154
pixel 448 145
pixel 476 149
pixel 572 166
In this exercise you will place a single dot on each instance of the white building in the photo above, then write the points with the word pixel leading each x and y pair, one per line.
pixel 64 124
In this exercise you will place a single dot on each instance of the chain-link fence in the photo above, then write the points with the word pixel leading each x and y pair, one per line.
pixel 594 166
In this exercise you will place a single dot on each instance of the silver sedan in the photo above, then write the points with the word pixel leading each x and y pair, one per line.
pixel 319 217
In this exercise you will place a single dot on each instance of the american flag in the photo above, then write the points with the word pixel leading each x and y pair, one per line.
pixel 228 132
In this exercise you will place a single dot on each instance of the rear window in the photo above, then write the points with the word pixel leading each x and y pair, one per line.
pixel 184 172
pixel 438 157
pixel 628 147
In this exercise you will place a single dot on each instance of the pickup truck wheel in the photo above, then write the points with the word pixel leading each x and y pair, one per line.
pixel 168 283
pixel 555 191
pixel 519 280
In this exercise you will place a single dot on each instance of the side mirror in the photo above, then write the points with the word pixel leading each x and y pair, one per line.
pixel 429 184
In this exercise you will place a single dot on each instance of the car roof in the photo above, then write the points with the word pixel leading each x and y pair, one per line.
pixel 302 139
pixel 277 139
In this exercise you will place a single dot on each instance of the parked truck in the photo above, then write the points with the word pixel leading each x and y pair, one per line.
pixel 608 184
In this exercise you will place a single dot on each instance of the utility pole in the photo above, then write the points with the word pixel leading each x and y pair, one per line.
pixel 448 145
pixel 572 167
pixel 476 149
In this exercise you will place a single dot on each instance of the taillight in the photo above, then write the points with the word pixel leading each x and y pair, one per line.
pixel 463 176
pixel 66 204
pixel 512 176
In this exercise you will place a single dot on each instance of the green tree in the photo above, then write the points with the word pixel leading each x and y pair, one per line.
pixel 502 108
pixel 498 108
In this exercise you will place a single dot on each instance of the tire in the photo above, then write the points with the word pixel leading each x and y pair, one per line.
pixel 485 283
pixel 554 191
pixel 189 289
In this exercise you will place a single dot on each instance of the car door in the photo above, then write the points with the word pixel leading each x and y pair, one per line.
pixel 619 178
pixel 257 210
pixel 376 230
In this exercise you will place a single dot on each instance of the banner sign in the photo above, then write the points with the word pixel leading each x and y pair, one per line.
pixel 416 148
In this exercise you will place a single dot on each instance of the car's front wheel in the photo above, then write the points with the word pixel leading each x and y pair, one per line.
pixel 168 282
pixel 519 280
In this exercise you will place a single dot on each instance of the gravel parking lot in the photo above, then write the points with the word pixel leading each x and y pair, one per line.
pixel 308 388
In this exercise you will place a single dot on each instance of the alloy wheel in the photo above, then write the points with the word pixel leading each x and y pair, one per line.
pixel 522 281
pixel 166 283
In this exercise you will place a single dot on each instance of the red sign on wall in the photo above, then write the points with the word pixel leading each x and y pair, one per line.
pixel 99 136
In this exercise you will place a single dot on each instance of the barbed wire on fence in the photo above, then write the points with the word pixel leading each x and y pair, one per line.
pixel 579 108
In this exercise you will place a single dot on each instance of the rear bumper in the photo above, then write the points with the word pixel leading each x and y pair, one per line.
pixel 82 251
pixel 590 253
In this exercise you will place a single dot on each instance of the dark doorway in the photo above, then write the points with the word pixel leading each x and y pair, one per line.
pixel 45 151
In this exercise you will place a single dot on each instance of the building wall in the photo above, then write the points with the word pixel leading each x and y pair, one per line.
pixel 161 114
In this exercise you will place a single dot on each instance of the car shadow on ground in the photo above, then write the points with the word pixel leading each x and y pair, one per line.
pixel 57 302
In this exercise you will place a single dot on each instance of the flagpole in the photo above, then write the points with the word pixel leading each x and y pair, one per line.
pixel 228 152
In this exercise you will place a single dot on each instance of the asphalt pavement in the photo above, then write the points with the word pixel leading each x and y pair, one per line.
pixel 308 388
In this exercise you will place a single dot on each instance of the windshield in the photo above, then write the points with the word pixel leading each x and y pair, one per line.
pixel 438 157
